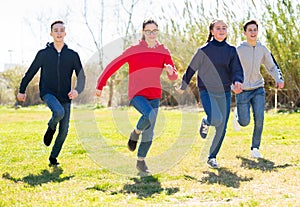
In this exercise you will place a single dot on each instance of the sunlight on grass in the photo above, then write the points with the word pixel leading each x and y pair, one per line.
pixel 26 179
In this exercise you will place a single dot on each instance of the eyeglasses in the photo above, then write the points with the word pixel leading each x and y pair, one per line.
pixel 149 32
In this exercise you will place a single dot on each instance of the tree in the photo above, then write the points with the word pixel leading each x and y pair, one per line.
pixel 282 32
pixel 13 78
pixel 188 30
pixel 98 42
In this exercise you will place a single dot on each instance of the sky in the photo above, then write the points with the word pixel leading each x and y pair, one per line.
pixel 25 26
pixel 18 39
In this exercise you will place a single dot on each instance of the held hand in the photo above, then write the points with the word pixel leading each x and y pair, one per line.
pixel 21 97
pixel 73 94
pixel 98 93
pixel 280 85
pixel 169 69
pixel 237 87
pixel 179 90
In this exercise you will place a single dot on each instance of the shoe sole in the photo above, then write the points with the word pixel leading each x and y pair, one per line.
pixel 212 166
pixel 53 165
pixel 203 137
pixel 133 148
pixel 145 173
pixel 255 157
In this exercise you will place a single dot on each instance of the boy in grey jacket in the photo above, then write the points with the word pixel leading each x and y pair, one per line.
pixel 252 54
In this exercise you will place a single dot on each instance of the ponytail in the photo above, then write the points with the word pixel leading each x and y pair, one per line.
pixel 211 27
pixel 209 37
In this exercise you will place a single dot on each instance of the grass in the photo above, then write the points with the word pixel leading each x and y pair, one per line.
pixel 98 170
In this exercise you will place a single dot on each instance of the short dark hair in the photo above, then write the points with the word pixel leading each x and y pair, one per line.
pixel 56 22
pixel 248 23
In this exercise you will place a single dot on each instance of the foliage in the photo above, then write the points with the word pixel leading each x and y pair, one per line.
pixel 87 95
pixel 12 78
pixel 282 32
pixel 183 33
pixel 6 93
pixel 188 30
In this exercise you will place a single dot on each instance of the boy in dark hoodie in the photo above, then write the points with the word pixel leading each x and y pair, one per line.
pixel 57 63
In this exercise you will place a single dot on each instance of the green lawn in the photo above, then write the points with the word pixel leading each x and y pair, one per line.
pixel 98 170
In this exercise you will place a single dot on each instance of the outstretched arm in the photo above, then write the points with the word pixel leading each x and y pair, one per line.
pixel 190 71
pixel 80 78
pixel 274 70
pixel 32 70
pixel 110 69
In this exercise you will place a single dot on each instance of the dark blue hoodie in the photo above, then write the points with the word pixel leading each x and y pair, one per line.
pixel 56 72
pixel 218 66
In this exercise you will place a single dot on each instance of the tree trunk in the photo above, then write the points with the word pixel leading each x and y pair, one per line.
pixel 111 92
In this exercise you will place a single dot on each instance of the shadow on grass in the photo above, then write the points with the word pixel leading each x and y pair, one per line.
pixel 261 164
pixel 224 177
pixel 147 186
pixel 45 176
pixel 143 187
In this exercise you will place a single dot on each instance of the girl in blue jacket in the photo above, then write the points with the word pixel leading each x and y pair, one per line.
pixel 218 67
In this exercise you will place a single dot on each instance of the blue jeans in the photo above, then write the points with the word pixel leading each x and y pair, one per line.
pixel 146 123
pixel 61 115
pixel 255 98
pixel 217 109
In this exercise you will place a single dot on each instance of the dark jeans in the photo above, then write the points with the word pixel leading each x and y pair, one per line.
pixel 217 109
pixel 256 99
pixel 146 123
pixel 61 115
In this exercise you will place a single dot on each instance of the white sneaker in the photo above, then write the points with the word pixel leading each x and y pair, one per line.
pixel 255 153
pixel 235 123
pixel 212 163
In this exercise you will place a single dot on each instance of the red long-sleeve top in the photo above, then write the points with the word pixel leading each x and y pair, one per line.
pixel 145 68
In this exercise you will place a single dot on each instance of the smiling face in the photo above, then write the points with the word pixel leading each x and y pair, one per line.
pixel 150 32
pixel 251 33
pixel 58 32
pixel 219 31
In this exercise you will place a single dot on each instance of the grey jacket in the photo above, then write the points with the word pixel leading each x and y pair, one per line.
pixel 252 58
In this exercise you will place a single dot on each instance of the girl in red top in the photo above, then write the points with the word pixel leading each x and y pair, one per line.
pixel 146 61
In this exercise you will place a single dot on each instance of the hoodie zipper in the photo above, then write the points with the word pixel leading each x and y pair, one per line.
pixel 58 74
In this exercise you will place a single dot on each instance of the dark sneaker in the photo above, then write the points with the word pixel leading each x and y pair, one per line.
pixel 134 137
pixel 142 167
pixel 203 128
pixel 48 136
pixel 212 163
pixel 53 162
